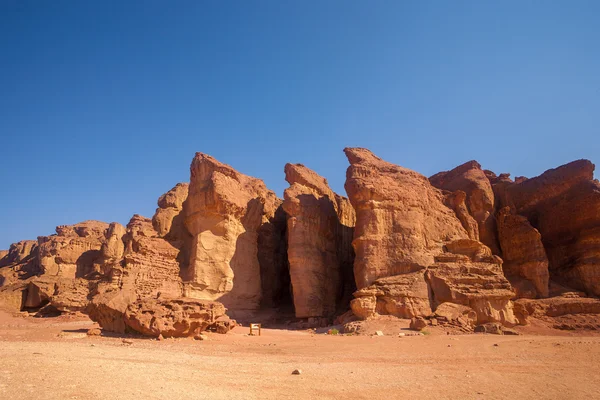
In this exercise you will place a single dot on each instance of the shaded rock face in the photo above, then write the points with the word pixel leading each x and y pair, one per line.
pixel 524 255
pixel 224 213
pixel 401 219
pixel 480 200
pixel 563 204
pixel 71 253
pixel 320 231
pixel 412 251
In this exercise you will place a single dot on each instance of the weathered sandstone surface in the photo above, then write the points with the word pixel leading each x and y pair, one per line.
pixel 480 200
pixel 466 248
pixel 19 262
pixel 407 234
pixel 139 264
pixel 173 317
pixel 401 220
pixel 563 204
pixel 320 230
pixel 525 261
pixel 225 211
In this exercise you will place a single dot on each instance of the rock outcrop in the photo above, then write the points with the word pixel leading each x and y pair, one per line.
pixel 480 200
pixel 139 264
pixel 320 230
pixel 59 271
pixel 168 221
pixel 402 244
pixel 72 252
pixel 412 252
pixel 173 317
pixel 404 296
pixel 563 204
pixel 471 276
pixel 224 213
pixel 19 262
pixel 401 219
pixel 525 261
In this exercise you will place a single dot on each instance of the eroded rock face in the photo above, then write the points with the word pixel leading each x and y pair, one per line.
pixel 224 213
pixel 456 315
pixel 401 219
pixel 172 317
pixel 563 204
pixel 168 221
pixel 456 201
pixel 19 262
pixel 404 296
pixel 473 279
pixel 58 270
pixel 320 230
pixel 148 267
pixel 471 179
pixel 72 252
pixel 409 238
pixel 524 255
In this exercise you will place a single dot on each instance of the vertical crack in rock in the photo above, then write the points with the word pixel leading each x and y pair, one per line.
pixel 320 229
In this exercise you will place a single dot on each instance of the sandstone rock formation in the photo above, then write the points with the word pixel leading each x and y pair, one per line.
pixel 456 315
pixel 401 220
pixel 525 261
pixel 480 200
pixel 139 265
pixel 473 277
pixel 168 221
pixel 71 253
pixel 320 230
pixel 412 249
pixel 58 270
pixel 19 262
pixel 224 213
pixel 405 296
pixel 173 317
pixel 563 204
pixel 425 249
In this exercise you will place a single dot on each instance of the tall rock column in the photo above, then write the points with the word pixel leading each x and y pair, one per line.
pixel 320 228
pixel 224 212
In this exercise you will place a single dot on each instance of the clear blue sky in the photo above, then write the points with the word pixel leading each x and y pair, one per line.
pixel 104 103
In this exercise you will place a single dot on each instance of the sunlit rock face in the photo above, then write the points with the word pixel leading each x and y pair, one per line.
pixel 563 204
pixel 224 214
pixel 413 252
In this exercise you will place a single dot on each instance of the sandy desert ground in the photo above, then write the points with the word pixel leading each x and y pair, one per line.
pixel 53 358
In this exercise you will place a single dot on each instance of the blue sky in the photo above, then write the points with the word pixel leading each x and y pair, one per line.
pixel 103 104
